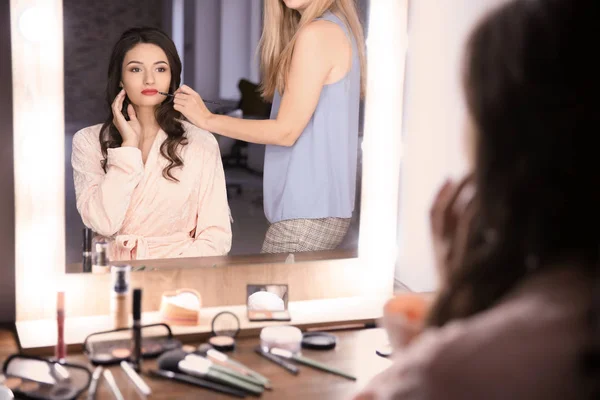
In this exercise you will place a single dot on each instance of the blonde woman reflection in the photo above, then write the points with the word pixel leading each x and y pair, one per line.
pixel 150 182
pixel 313 68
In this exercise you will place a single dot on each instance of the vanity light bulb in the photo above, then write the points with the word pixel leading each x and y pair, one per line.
pixel 34 23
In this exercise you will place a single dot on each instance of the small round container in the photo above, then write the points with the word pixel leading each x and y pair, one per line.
pixel 225 327
pixel 318 341
pixel 282 337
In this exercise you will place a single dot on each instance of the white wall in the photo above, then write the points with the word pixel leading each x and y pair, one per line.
pixel 240 33
pixel 207 48
pixel 434 117
pixel 178 30
pixel 217 40
pixel 256 13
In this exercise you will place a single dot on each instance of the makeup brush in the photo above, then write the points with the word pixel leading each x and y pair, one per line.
pixel 203 383
pixel 194 365
pixel 285 364
pixel 286 354
pixel 206 101
pixel 243 372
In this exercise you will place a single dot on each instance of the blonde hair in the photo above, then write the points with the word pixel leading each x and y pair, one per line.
pixel 281 27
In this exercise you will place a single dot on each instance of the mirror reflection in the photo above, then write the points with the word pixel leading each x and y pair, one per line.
pixel 267 303
pixel 212 129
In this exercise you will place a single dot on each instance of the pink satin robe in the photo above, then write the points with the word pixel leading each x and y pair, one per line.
pixel 145 215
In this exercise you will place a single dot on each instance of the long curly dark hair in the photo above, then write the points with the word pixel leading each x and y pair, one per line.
pixel 532 96
pixel 168 119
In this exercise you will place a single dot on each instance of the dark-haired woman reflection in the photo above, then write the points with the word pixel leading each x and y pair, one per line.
pixel 150 182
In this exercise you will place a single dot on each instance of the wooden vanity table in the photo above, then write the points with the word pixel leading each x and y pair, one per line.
pixel 354 353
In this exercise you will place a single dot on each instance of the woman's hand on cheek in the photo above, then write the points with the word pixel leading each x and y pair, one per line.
pixel 130 130
pixel 190 104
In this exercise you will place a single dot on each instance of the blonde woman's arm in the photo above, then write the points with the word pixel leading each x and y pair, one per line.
pixel 313 59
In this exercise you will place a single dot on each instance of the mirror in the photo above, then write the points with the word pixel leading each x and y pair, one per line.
pixel 217 42
pixel 37 39
pixel 267 303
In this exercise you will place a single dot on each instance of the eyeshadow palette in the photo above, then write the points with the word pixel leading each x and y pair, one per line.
pixel 112 347
pixel 31 377
pixel 28 389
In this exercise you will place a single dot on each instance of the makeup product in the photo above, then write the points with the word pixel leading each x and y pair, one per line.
pixel 203 383
pixel 91 394
pixel 108 377
pixel 188 348
pixel 318 341
pixel 267 302
pixel 87 249
pixel 39 378
pixel 61 373
pixel 100 261
pixel 286 354
pixel 206 101
pixel 285 364
pixel 220 363
pixel 241 380
pixel 119 298
pixel 217 357
pixel 343 327
pixel 181 307
pixel 283 337
pixel 136 357
pixel 107 348
pixel 136 379
pixel 61 349
pixel 192 364
pixel 225 327
pixel 28 387
pixel 12 383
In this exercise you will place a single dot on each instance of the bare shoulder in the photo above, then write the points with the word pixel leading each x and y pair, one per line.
pixel 200 139
pixel 321 34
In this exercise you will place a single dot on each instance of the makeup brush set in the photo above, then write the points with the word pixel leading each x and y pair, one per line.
pixel 211 369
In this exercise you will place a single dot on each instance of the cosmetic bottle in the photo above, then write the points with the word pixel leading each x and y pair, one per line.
pixel 61 348
pixel 100 261
pixel 120 294
pixel 87 249
pixel 136 354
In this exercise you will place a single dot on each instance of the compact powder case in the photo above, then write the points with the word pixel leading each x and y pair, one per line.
pixel 225 327
pixel 318 341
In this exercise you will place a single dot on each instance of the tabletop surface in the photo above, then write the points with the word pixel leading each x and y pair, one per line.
pixel 355 354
